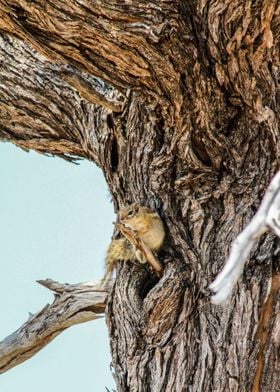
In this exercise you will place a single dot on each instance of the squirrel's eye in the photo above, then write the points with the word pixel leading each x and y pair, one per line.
pixel 130 213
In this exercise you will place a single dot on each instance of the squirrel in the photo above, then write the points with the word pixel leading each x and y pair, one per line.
pixel 147 224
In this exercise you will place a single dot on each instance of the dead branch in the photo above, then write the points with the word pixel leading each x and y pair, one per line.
pixel 267 216
pixel 73 304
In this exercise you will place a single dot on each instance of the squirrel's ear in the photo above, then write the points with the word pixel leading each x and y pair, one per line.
pixel 147 210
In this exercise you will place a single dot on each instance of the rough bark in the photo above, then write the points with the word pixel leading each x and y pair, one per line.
pixel 189 126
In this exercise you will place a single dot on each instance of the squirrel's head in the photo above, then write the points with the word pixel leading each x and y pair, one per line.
pixel 134 215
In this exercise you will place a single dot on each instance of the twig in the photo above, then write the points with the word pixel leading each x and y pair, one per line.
pixel 267 216
pixel 135 240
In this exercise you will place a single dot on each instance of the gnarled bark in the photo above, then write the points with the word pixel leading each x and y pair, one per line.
pixel 189 126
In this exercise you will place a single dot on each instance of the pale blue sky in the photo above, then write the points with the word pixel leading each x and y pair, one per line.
pixel 55 222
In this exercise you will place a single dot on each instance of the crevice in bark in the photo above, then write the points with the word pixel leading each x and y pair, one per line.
pixel 114 154
pixel 148 285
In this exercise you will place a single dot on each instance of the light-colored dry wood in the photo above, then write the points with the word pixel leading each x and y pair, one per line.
pixel 140 244
pixel 267 216
pixel 73 304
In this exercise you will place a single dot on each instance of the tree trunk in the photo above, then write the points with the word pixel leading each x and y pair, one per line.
pixel 177 103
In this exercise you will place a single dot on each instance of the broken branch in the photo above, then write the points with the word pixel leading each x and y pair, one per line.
pixel 73 304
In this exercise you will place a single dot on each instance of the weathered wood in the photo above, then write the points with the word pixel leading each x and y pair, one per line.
pixel 104 46
pixel 73 304
pixel 39 110
pixel 197 139
pixel 267 216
